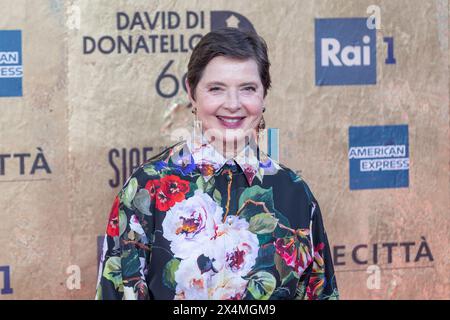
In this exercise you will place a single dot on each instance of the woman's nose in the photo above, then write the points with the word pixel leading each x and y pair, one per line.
pixel 233 102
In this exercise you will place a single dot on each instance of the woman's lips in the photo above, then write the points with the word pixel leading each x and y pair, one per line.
pixel 231 122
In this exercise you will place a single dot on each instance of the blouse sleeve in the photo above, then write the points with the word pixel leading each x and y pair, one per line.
pixel 320 282
pixel 126 249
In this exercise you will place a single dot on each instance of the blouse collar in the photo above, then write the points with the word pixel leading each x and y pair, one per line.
pixel 252 161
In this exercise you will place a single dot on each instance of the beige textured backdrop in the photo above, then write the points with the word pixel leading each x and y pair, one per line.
pixel 81 109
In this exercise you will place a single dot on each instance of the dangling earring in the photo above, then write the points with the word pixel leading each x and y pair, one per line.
pixel 262 124
pixel 197 127
pixel 194 112
pixel 260 134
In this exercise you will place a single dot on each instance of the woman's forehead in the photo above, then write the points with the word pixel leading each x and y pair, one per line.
pixel 225 69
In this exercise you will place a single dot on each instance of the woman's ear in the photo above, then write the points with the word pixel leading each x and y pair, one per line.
pixel 188 88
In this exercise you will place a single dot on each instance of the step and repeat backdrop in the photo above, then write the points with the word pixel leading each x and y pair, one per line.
pixel 360 102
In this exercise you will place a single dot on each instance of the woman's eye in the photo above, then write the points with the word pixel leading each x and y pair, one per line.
pixel 214 89
pixel 250 89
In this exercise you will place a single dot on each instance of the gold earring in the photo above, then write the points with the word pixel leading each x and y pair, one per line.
pixel 262 124
pixel 196 123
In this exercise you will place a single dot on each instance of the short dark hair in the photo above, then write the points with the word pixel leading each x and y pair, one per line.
pixel 233 43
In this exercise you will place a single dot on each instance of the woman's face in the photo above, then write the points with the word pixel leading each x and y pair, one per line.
pixel 229 99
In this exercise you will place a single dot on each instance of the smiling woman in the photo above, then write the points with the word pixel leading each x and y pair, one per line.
pixel 213 216
pixel 229 95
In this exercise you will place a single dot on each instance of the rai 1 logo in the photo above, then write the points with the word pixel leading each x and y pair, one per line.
pixel 11 63
pixel 6 288
pixel 379 157
pixel 346 51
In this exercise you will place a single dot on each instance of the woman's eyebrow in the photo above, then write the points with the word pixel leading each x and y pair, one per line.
pixel 251 83
pixel 218 83
pixel 215 83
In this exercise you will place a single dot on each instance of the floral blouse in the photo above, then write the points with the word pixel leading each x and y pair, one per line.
pixel 190 224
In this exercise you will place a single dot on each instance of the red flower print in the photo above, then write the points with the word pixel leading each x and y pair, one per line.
pixel 317 280
pixel 294 254
pixel 318 259
pixel 176 187
pixel 152 186
pixel 235 259
pixel 167 191
pixel 113 222
pixel 249 172
pixel 315 286
pixel 158 193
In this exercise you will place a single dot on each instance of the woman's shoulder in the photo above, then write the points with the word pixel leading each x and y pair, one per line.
pixel 293 196
pixel 296 180
pixel 153 167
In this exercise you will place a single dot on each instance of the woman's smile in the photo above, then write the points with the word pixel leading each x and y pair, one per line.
pixel 229 122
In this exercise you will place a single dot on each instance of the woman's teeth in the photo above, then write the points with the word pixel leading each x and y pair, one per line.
pixel 231 120
pixel 228 120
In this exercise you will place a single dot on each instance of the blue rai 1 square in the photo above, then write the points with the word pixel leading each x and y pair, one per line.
pixel 379 157
pixel 345 51
pixel 11 71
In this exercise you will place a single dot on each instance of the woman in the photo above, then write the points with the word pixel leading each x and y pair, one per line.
pixel 213 217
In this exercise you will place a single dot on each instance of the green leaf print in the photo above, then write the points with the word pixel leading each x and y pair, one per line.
pixel 151 171
pixel 261 285
pixel 169 273
pixel 265 239
pixel 255 194
pixel 142 202
pixel 283 269
pixel 130 263
pixel 113 272
pixel 129 192
pixel 279 232
pixel 286 272
pixel 255 197
pixel 265 257
pixel 210 185
pixel 300 291
pixel 217 196
pixel 206 186
pixel 262 223
pixel 192 187
pixel 201 184
pixel 122 222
